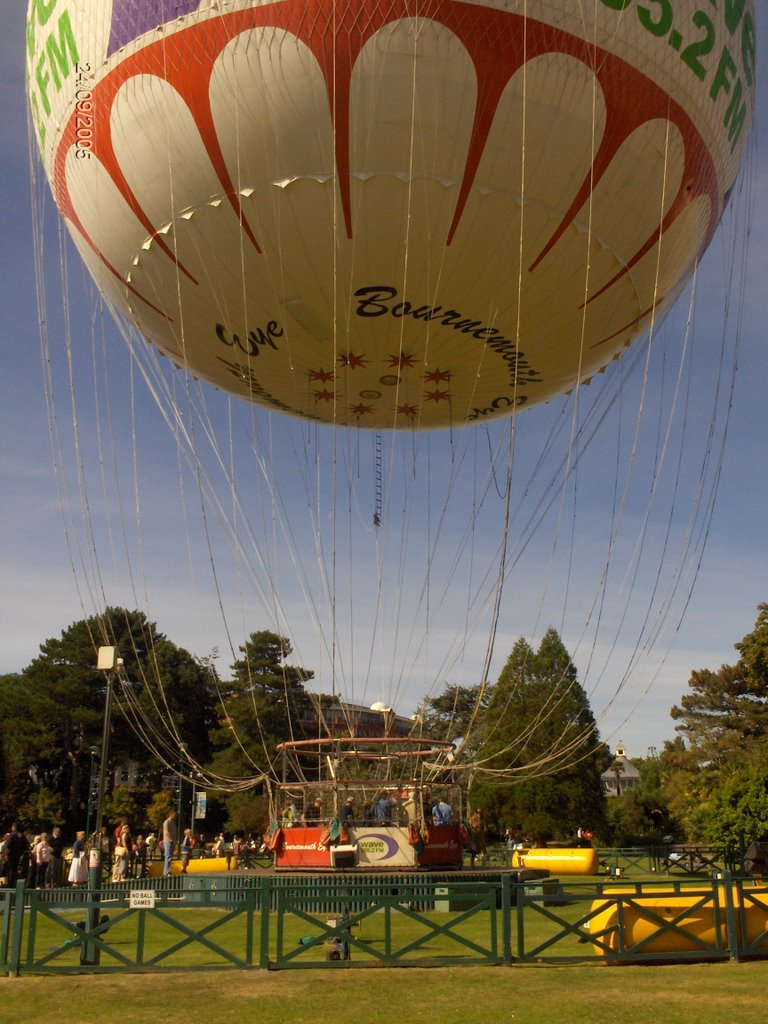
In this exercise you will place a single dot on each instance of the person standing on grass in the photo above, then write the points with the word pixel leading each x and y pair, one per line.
pixel 14 848
pixel 78 872
pixel 169 842
pixel 56 843
pixel 478 834
pixel 140 858
pixel 186 849
pixel 42 859
pixel 151 842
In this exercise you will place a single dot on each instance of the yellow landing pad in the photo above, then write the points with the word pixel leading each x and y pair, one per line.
pixel 197 866
pixel 566 861
pixel 693 922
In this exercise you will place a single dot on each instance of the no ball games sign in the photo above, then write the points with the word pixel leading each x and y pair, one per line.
pixel 141 899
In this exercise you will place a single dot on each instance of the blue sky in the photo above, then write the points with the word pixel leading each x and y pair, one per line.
pixel 150 548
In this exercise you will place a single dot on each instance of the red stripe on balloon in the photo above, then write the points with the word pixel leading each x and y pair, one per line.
pixel 498 42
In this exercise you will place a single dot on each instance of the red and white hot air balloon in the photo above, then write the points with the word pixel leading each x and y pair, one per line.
pixel 390 213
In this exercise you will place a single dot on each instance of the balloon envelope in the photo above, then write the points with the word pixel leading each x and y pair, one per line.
pixel 389 214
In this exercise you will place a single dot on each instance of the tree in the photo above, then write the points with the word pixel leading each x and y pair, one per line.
pixel 248 814
pixel 449 715
pixel 754 662
pixel 617 769
pixel 159 808
pixel 641 814
pixel 724 718
pixel 121 805
pixel 49 713
pixel 18 754
pixel 52 713
pixel 42 809
pixel 737 810
pixel 717 718
pixel 724 722
pixel 265 704
pixel 539 728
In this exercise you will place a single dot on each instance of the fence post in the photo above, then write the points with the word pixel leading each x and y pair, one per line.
pixel 731 924
pixel 6 912
pixel 14 960
pixel 520 919
pixel 265 900
pixel 506 918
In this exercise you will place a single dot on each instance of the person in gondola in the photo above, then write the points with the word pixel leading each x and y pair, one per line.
pixel 288 815
pixel 312 811
pixel 384 809
pixel 442 812
pixel 347 813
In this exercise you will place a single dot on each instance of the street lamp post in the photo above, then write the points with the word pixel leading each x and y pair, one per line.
pixel 182 752
pixel 93 750
pixel 107 663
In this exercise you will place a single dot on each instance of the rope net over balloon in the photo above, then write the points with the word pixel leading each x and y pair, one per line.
pixel 374 236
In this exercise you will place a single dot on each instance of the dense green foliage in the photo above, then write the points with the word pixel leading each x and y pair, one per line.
pixel 539 731
pixel 52 712
pixel 170 710
pixel 710 785
pixel 453 712
pixel 538 757
pixel 721 790
pixel 264 704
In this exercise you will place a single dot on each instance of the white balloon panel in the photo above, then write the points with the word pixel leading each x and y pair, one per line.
pixel 389 215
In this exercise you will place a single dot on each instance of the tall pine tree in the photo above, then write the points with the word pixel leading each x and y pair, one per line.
pixel 541 752
pixel 266 703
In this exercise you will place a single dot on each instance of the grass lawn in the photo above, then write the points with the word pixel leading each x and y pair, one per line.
pixel 590 994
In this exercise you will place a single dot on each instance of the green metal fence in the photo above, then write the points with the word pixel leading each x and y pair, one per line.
pixel 338 921
pixel 409 923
